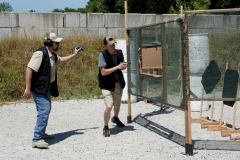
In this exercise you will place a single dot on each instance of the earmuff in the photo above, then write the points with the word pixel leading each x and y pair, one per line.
pixel 48 41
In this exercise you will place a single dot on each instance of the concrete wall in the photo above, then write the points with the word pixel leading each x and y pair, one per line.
pixel 29 24
pixel 214 25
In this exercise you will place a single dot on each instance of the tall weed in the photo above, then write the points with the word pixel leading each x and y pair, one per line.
pixel 76 79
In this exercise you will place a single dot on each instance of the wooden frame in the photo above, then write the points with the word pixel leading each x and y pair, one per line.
pixel 225 129
pixel 188 139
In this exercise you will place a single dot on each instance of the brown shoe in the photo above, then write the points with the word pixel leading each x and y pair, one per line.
pixel 46 136
pixel 40 144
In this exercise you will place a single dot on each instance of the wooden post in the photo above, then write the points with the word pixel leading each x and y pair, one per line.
pixel 212 105
pixel 200 115
pixel 221 117
pixel 202 95
pixel 181 89
pixel 234 115
pixel 164 64
pixel 126 22
pixel 181 11
pixel 129 117
pixel 188 130
pixel 235 106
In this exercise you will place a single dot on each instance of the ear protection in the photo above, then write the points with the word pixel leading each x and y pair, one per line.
pixel 48 41
pixel 48 38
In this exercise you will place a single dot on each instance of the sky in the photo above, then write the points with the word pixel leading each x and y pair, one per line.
pixel 44 5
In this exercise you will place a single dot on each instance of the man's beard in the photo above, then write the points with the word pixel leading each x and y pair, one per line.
pixel 56 49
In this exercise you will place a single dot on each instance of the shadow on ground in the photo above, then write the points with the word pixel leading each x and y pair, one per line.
pixel 180 140
pixel 58 137
pixel 163 110
pixel 115 130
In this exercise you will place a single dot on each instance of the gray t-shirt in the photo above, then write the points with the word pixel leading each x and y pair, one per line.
pixel 102 62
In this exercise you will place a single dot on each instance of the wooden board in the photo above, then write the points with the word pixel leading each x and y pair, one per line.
pixel 217 128
pixel 229 132
pixel 151 57
pixel 206 124
pixel 200 120
pixel 153 75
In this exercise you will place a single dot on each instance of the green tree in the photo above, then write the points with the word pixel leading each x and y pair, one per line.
pixel 66 9
pixel 4 6
pixel 32 10
pixel 119 6
pixel 108 6
pixel 222 4
pixel 138 6
pixel 81 10
pixel 159 6
pixel 201 4
pixel 58 10
pixel 96 6
pixel 134 6
pixel 190 5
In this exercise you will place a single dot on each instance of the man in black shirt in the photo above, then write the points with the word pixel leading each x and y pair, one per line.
pixel 111 81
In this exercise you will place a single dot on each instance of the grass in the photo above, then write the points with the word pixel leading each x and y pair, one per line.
pixel 225 46
pixel 77 79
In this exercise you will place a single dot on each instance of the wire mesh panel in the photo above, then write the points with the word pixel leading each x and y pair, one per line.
pixel 155 53
pixel 214 55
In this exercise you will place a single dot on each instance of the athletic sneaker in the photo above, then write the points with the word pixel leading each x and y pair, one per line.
pixel 106 132
pixel 117 121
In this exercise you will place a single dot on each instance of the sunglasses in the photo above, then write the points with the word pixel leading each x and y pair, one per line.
pixel 57 42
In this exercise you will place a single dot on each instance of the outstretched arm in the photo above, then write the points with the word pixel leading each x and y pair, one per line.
pixel 70 57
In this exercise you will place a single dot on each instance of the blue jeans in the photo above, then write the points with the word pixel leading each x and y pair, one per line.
pixel 43 105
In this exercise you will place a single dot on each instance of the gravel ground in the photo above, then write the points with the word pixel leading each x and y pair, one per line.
pixel 77 126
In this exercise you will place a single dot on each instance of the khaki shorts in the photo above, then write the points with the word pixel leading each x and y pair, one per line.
pixel 113 97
